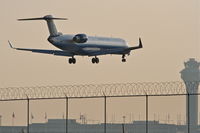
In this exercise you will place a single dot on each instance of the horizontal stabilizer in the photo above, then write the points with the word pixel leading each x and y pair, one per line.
pixel 47 17
pixel 51 26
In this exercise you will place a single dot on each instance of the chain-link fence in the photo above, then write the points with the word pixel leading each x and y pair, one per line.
pixel 165 107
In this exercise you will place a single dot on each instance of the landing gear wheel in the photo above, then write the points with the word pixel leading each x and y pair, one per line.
pixel 72 60
pixel 123 60
pixel 95 60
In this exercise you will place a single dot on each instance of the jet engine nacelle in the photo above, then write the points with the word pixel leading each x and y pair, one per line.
pixel 80 38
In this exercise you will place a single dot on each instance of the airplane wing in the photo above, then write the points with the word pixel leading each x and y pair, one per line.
pixel 107 51
pixel 136 47
pixel 117 50
pixel 53 52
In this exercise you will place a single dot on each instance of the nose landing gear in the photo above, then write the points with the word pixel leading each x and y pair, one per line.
pixel 123 58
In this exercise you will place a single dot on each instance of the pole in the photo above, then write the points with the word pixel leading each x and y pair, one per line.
pixel 147 113
pixel 67 113
pixel 105 111
pixel 27 114
pixel 188 108
pixel 123 131
pixel 0 120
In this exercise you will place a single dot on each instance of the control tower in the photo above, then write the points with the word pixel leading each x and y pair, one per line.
pixel 191 77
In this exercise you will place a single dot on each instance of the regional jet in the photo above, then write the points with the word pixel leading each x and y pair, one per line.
pixel 80 44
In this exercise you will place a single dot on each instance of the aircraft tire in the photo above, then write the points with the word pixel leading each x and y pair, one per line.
pixel 123 60
pixel 73 60
pixel 70 60
pixel 97 60
pixel 93 60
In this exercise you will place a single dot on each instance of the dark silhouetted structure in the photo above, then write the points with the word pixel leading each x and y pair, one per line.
pixel 191 78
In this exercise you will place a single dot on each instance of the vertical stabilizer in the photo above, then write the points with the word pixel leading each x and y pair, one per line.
pixel 51 25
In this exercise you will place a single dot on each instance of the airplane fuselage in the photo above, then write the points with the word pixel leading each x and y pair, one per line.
pixel 94 44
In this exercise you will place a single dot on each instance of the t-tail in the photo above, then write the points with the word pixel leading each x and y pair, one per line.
pixel 49 19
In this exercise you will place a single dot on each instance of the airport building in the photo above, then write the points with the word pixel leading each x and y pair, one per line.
pixel 59 126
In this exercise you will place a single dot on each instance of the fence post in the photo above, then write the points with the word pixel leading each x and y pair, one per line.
pixel 188 117
pixel 105 112
pixel 147 113
pixel 27 114
pixel 67 113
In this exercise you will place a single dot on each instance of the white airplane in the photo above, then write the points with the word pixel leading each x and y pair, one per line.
pixel 81 44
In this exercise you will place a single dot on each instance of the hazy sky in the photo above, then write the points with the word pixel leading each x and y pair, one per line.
pixel 169 30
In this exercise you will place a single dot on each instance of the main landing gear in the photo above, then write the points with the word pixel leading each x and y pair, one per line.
pixel 72 60
pixel 123 58
pixel 95 60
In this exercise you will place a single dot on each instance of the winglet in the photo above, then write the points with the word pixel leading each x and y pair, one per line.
pixel 10 44
pixel 136 47
pixel 140 43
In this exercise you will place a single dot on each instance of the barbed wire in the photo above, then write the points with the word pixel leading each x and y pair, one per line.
pixel 99 90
